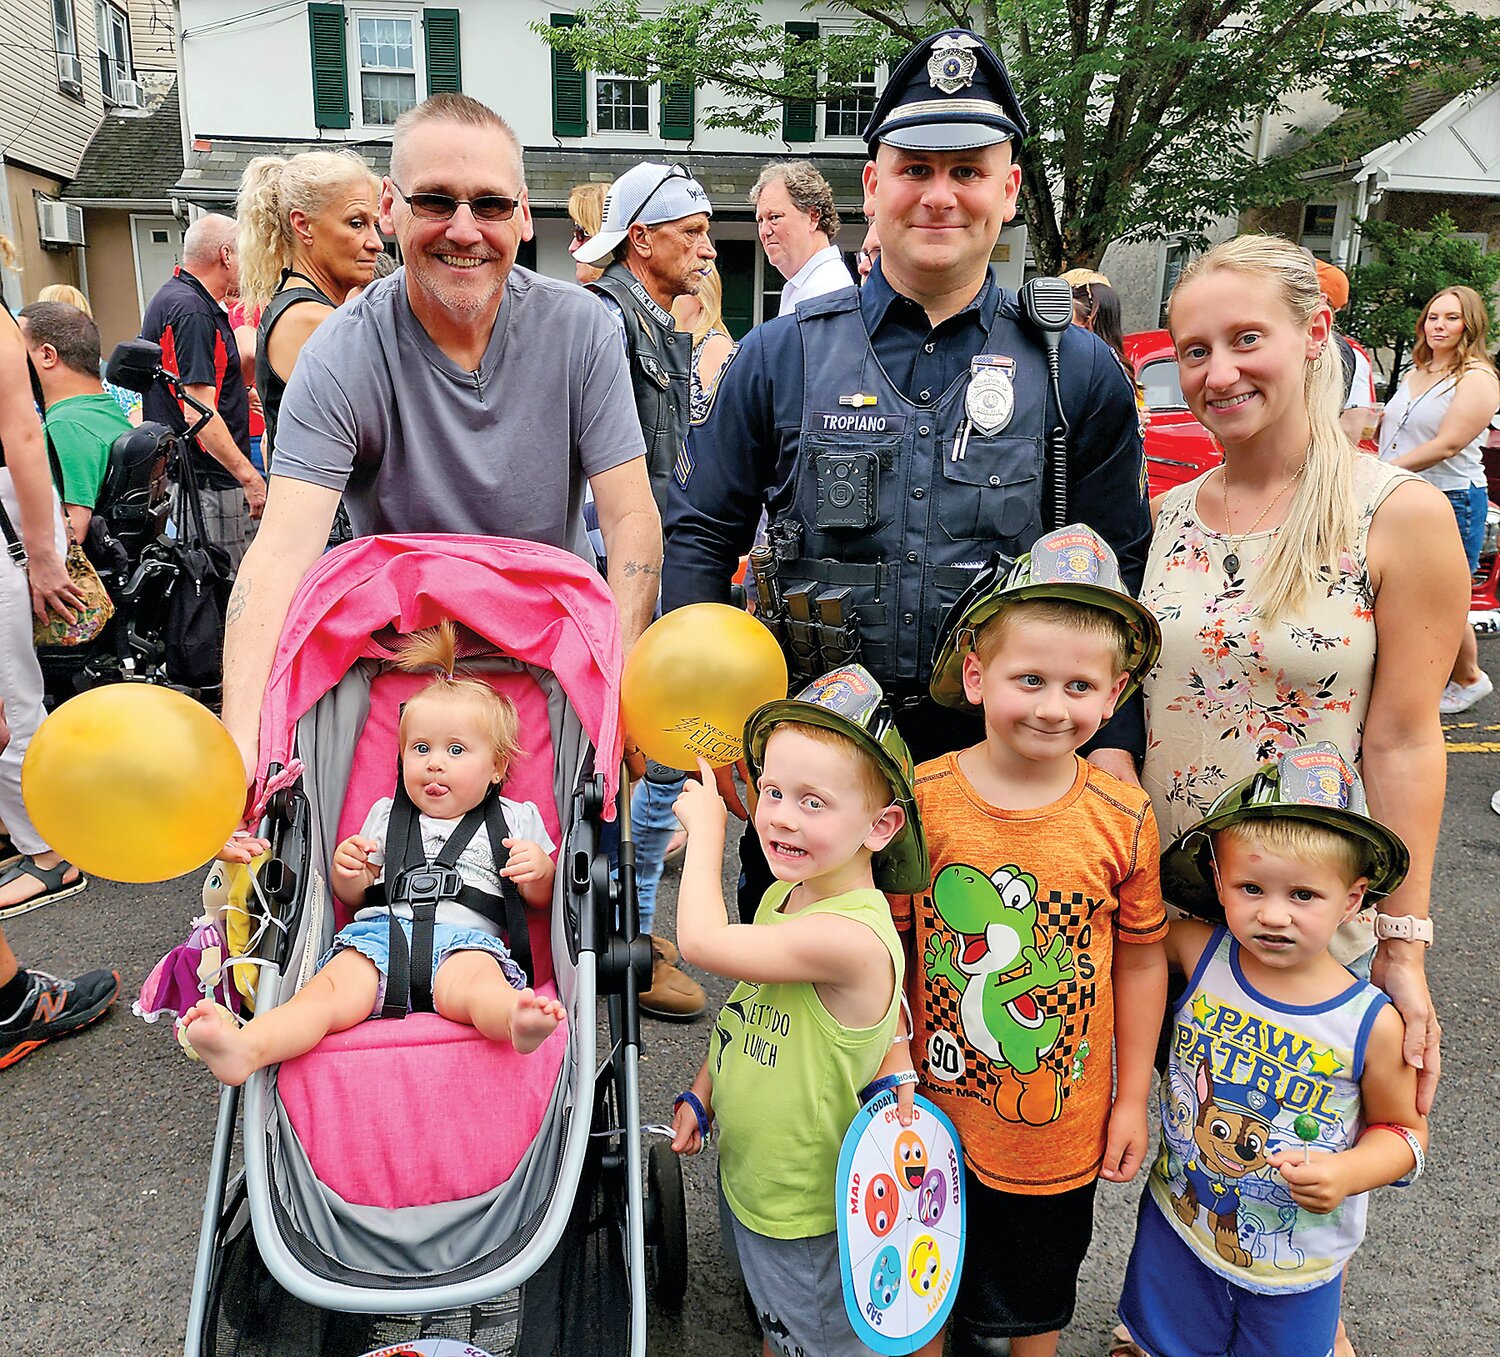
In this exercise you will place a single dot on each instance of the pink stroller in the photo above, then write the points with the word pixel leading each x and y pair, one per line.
pixel 409 1180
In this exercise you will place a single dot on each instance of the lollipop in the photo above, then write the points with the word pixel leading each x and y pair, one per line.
pixel 1306 1128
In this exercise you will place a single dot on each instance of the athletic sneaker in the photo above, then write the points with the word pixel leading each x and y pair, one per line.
pixel 1459 697
pixel 54 1008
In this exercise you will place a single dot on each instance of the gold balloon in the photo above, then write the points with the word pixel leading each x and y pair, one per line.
pixel 134 782
pixel 692 680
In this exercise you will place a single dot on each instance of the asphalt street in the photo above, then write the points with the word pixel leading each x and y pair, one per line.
pixel 106 1140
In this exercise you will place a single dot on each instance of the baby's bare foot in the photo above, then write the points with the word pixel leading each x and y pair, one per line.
pixel 533 1020
pixel 218 1041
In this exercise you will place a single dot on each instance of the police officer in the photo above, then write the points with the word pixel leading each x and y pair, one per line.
pixel 896 433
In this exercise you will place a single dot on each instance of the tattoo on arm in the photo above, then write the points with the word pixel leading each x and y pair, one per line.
pixel 238 597
pixel 634 568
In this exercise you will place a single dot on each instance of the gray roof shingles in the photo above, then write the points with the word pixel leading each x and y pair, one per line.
pixel 133 156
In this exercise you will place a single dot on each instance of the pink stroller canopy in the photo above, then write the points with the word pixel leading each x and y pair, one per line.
pixel 540 604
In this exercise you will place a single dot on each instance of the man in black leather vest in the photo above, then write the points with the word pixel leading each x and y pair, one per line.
pixel 896 433
pixel 655 235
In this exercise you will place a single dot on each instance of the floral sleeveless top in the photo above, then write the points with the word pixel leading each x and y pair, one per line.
pixel 1230 690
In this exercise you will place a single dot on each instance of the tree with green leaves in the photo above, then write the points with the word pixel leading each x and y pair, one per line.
pixel 1144 112
pixel 1410 267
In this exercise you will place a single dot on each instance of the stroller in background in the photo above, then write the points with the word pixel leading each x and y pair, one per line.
pixel 409 1180
pixel 147 573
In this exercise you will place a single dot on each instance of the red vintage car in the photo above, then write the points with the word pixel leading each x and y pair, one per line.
pixel 1178 448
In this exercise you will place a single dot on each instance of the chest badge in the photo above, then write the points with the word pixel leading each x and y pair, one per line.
pixel 858 400
pixel 991 398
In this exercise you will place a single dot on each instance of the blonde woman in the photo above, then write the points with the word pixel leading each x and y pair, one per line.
pixel 1436 425
pixel 586 212
pixel 308 238
pixel 701 314
pixel 1292 605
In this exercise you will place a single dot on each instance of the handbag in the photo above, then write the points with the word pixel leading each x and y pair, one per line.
pixel 92 615
pixel 196 604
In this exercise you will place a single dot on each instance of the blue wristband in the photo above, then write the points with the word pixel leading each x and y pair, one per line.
pixel 705 1125
pixel 886 1082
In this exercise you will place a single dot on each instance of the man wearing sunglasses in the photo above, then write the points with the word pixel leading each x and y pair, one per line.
pixel 895 433
pixel 461 395
pixel 653 245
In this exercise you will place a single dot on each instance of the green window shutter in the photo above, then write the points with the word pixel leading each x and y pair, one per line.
pixel 676 112
pixel 444 70
pixel 569 114
pixel 799 117
pixel 330 72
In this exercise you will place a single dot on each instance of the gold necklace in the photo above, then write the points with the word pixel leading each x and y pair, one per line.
pixel 1232 556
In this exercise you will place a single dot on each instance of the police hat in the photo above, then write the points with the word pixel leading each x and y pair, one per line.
pixel 949 93
pixel 1313 783
pixel 1073 563
pixel 851 702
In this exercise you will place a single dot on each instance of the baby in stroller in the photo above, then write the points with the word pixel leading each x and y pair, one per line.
pixel 458 737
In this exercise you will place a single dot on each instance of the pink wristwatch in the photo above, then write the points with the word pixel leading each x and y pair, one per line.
pixel 1403 927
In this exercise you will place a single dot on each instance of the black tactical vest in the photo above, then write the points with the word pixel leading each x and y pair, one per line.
pixel 660 360
pixel 892 511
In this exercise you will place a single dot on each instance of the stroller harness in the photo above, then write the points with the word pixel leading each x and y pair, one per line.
pixel 424 884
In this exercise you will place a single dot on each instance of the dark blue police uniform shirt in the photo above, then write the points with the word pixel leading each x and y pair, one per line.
pixel 742 459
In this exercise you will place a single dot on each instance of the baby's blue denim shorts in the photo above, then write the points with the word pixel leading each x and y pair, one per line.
pixel 371 938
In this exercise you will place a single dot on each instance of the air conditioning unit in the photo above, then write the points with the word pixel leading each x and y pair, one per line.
pixel 129 94
pixel 70 72
pixel 59 224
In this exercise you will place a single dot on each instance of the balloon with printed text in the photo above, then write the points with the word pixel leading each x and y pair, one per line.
pixel 693 679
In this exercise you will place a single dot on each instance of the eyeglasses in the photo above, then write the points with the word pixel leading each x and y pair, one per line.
pixel 441 206
pixel 678 171
pixel 580 236
pixel 868 257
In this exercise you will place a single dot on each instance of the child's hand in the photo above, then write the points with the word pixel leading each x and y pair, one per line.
pixel 1318 1185
pixel 1128 1144
pixel 243 847
pixel 528 862
pixel 351 859
pixel 700 809
pixel 686 1137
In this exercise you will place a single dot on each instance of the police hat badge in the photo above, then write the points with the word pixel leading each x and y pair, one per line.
pixel 951 63
pixel 1314 783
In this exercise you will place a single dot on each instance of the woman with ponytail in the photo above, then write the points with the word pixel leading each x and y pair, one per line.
pixel 308 239
pixel 1305 592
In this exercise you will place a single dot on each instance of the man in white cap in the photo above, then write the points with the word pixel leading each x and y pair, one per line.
pixel 797 222
pixel 654 240
pixel 653 246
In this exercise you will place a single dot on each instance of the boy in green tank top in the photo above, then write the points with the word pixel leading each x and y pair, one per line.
pixel 820 973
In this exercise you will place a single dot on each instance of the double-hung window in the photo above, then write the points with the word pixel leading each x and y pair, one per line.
pixel 846 116
pixel 622 104
pixel 388 74
pixel 113 28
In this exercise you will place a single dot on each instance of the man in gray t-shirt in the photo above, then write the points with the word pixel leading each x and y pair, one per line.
pixel 460 395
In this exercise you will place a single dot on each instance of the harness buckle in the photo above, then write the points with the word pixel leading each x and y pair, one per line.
pixel 426 886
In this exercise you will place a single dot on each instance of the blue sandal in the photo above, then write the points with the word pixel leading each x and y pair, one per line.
pixel 52 883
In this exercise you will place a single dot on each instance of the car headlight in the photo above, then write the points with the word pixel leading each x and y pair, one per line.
pixel 1491 531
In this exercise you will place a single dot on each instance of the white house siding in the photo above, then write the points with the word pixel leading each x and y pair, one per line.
pixel 151 43
pixel 40 126
pixel 504 63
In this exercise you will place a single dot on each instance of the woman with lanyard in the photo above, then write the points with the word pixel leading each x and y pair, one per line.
pixel 1436 425
pixel 1293 608
pixel 308 234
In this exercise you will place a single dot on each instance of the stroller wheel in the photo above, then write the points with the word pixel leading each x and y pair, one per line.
pixel 666 1227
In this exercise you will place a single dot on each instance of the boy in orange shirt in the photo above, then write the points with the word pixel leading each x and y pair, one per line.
pixel 1041 865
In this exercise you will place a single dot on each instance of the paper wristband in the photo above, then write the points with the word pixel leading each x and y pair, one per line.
pixel 1410 1137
